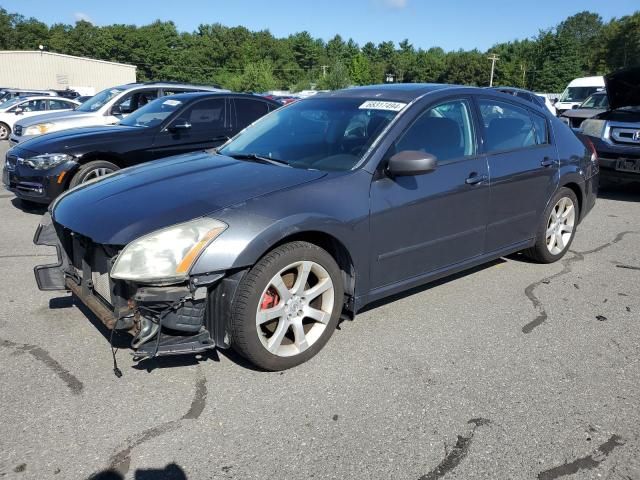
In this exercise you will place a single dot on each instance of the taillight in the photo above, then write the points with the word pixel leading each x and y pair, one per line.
pixel 594 152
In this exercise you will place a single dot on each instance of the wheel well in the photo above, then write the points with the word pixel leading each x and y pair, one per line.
pixel 339 253
pixel 576 189
pixel 90 157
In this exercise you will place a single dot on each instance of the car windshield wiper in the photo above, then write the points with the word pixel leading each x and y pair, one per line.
pixel 259 158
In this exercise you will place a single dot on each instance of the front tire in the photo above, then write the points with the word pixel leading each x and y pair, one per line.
pixel 557 228
pixel 91 170
pixel 287 306
pixel 5 131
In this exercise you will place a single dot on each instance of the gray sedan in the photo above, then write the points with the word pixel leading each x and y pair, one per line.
pixel 315 211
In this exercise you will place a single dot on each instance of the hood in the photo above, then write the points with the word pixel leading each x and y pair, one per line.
pixel 61 117
pixel 582 112
pixel 76 139
pixel 142 199
pixel 623 88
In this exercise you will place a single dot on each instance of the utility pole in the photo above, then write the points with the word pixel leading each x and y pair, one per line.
pixel 494 58
pixel 324 70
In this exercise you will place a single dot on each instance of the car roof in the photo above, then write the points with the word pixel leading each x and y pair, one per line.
pixel 129 86
pixel 45 97
pixel 404 92
pixel 190 96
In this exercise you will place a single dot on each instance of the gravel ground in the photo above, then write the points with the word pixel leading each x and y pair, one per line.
pixel 510 371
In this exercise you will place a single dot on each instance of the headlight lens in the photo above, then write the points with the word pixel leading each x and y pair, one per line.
pixel 39 129
pixel 593 127
pixel 48 160
pixel 166 256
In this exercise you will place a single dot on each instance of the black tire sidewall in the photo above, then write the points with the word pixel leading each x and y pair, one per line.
pixel 8 129
pixel 85 169
pixel 244 333
pixel 542 251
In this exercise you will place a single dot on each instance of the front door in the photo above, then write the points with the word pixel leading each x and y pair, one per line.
pixel 424 223
pixel 200 126
pixel 524 170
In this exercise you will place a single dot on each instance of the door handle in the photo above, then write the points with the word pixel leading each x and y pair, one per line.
pixel 547 162
pixel 474 179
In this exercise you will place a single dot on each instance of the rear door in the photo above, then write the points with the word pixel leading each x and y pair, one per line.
pixel 199 126
pixel 59 105
pixel 246 111
pixel 523 164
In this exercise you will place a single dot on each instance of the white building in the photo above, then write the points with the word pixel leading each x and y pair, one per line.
pixel 45 70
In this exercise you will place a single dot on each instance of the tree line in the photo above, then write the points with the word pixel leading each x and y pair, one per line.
pixel 244 60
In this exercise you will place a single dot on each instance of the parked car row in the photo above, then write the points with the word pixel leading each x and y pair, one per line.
pixel 21 108
pixel 40 169
pixel 310 211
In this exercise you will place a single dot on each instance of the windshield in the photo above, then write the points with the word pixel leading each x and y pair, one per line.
pixel 316 133
pixel 5 96
pixel 598 100
pixel 578 94
pixel 152 114
pixel 99 100
pixel 10 103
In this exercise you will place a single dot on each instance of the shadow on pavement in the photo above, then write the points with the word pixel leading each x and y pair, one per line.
pixel 170 472
pixel 623 193
pixel 29 207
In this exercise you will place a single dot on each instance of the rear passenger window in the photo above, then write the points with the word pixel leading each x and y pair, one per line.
pixel 444 131
pixel 205 115
pixel 506 126
pixel 249 110
pixel 542 131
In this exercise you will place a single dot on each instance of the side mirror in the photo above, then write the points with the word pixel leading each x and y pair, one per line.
pixel 554 101
pixel 18 111
pixel 575 107
pixel 116 110
pixel 180 125
pixel 411 162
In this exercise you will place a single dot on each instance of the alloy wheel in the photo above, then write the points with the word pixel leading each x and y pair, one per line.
pixel 97 172
pixel 295 308
pixel 4 132
pixel 561 225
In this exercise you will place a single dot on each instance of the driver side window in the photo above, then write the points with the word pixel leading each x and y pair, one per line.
pixel 444 131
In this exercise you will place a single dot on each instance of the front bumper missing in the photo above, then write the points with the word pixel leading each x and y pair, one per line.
pixel 178 316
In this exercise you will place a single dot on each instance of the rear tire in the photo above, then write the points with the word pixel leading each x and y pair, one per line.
pixel 557 228
pixel 287 306
pixel 5 131
pixel 91 170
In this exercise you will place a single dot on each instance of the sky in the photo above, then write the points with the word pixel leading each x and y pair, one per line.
pixel 450 24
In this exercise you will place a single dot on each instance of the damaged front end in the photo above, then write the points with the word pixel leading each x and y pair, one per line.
pixel 188 317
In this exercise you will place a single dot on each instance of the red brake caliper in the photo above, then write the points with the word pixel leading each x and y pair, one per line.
pixel 270 299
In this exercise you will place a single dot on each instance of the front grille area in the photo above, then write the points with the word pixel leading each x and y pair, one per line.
pixel 97 259
pixel 576 122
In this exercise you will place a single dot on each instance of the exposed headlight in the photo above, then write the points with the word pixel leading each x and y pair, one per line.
pixel 166 256
pixel 593 127
pixel 38 129
pixel 48 160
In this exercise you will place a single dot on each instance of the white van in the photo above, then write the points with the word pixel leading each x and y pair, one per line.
pixel 577 92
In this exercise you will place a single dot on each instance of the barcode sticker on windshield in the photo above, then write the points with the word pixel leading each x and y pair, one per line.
pixel 172 103
pixel 382 105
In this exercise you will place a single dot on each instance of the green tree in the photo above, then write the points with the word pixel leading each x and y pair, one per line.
pixel 337 77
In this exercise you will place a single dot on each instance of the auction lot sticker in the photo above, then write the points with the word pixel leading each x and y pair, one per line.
pixel 382 105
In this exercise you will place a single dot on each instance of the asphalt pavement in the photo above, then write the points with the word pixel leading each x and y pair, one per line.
pixel 511 371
